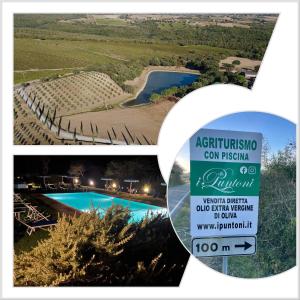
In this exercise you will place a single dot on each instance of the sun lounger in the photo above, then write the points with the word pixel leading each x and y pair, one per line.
pixel 32 213
pixel 18 211
pixel 50 187
pixel 17 198
pixel 20 208
pixel 35 215
pixel 34 218
pixel 22 204
pixel 82 188
pixel 42 224
pixel 63 187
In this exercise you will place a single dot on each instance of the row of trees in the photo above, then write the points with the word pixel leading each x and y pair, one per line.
pixel 143 167
pixel 118 167
pixel 276 239
pixel 250 42
pixel 210 74
pixel 129 70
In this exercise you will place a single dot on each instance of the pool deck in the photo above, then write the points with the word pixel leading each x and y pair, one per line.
pixel 59 207
pixel 135 197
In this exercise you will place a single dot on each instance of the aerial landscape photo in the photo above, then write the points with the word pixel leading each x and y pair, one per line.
pixel 111 79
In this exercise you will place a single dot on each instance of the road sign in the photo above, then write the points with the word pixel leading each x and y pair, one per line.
pixel 224 246
pixel 225 179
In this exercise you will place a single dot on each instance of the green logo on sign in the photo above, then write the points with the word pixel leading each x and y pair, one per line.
pixel 219 178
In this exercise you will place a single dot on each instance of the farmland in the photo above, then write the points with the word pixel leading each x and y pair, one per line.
pixel 74 41
pixel 62 54
pixel 75 94
pixel 73 65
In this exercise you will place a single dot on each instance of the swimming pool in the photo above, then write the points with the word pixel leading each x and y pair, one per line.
pixel 84 202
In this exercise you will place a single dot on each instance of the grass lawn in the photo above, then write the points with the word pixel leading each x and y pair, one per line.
pixel 24 242
pixel 27 243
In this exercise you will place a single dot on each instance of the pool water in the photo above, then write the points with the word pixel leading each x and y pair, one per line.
pixel 161 80
pixel 85 201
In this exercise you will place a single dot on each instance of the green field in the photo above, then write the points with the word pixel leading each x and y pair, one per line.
pixel 30 54
pixel 112 22
pixel 46 42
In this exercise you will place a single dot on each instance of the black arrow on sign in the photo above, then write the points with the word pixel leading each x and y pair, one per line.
pixel 246 246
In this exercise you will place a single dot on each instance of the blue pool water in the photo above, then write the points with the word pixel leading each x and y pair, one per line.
pixel 84 202
pixel 159 81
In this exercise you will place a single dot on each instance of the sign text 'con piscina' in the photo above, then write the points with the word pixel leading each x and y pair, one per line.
pixel 227 144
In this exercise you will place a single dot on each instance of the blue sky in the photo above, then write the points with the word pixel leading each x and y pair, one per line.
pixel 278 131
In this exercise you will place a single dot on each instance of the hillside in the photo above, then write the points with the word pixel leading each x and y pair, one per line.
pixel 121 45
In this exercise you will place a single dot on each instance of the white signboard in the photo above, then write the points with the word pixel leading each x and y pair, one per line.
pixel 225 179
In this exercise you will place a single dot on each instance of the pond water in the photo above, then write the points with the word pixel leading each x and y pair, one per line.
pixel 160 80
pixel 85 201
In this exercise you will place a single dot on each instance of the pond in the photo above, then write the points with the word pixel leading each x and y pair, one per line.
pixel 160 80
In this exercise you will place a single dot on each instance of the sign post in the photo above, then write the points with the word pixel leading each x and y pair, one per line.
pixel 225 265
pixel 225 180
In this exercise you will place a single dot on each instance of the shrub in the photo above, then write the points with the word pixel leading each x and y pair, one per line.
pixel 127 88
pixel 176 177
pixel 104 250
pixel 276 239
pixel 236 62
pixel 155 97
